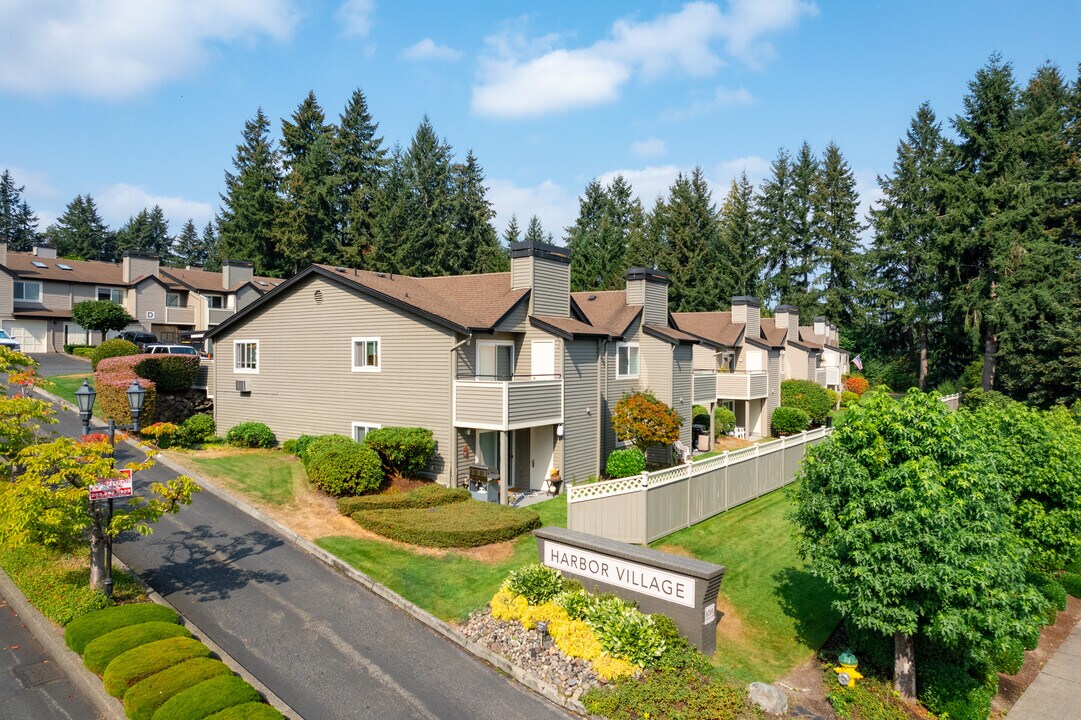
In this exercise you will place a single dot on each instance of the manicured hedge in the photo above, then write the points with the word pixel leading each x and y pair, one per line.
pixel 344 468
pixel 626 462
pixel 111 381
pixel 251 434
pixel 170 373
pixel 808 396
pixel 425 496
pixel 403 450
pixel 307 445
pixel 248 711
pixel 467 524
pixel 100 652
pixel 724 420
pixel 112 348
pixel 81 631
pixel 789 420
pixel 140 663
pixel 207 698
pixel 145 697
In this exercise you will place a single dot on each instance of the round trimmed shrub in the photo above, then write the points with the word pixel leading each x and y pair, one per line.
pixel 849 398
pixel 724 419
pixel 789 421
pixel 625 463
pixel 197 429
pixel 309 445
pixel 403 450
pixel 700 415
pixel 112 348
pixel 82 630
pixel 808 396
pixel 145 697
pixel 207 698
pixel 140 663
pixel 100 652
pixel 251 434
pixel 856 384
pixel 248 711
pixel 345 468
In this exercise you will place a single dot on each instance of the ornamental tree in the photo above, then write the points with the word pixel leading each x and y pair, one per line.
pixel 101 315
pixel 901 513
pixel 21 415
pixel 644 420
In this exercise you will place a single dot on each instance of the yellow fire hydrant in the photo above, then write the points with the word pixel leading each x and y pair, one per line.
pixel 847 674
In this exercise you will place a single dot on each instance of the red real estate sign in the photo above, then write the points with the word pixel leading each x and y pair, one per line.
pixel 113 487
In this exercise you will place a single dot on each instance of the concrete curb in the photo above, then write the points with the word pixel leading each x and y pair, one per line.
pixel 545 690
pixel 51 636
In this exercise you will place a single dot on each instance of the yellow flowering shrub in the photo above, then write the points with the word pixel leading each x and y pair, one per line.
pixel 547 612
pixel 507 605
pixel 576 639
pixel 609 667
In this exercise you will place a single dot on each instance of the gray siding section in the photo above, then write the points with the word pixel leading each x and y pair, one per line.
pixel 580 427
pixel 656 312
pixel 551 288
pixel 534 403
pixel 614 388
pixel 705 388
pixel 754 323
pixel 479 404
pixel 305 382
pixel 7 290
pixel 773 400
pixel 519 463
pixel 682 399
pixel 516 320
pixel 245 296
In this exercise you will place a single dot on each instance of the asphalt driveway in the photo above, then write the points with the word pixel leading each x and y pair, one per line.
pixel 60 364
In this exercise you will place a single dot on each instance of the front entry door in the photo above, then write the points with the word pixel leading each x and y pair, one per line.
pixel 542 445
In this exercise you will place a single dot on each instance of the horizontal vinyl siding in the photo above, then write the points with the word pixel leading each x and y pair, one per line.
pixel 636 292
pixel 615 388
pixel 657 367
pixel 56 295
pixel 774 398
pixel 151 298
pixel 305 383
pixel 521 272
pixel 7 289
pixel 551 288
pixel 681 389
pixel 517 320
pixel 656 303
pixel 535 403
pixel 580 441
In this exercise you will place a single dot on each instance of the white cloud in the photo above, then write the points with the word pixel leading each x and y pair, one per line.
pixel 356 17
pixel 649 148
pixel 556 208
pixel 722 97
pixel 520 78
pixel 654 181
pixel 121 201
pixel 118 48
pixel 427 49
pixel 757 169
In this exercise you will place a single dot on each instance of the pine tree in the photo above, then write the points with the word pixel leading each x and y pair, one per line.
pixel 740 241
pixel 534 232
pixel 389 216
pixel 774 215
pixel 646 249
pixel 475 243
pixel 209 248
pixel 692 245
pixel 250 205
pixel 188 246
pixel 587 241
pixel 362 161
pixel 805 253
pixel 837 229
pixel 81 234
pixel 146 233
pixel 513 233
pixel 18 224
pixel 426 246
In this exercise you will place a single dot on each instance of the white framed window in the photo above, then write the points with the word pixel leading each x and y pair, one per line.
pixel 627 360
pixel 115 295
pixel 172 300
pixel 215 301
pixel 495 360
pixel 360 429
pixel 27 291
pixel 246 356
pixel 488 445
pixel 367 354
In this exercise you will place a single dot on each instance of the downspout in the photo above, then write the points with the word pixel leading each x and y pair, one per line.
pixel 452 481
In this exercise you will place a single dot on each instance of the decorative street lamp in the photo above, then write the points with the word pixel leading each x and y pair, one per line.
pixel 85 396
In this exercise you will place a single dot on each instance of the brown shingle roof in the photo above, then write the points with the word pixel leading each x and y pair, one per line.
pixel 671 335
pixel 82 271
pixel 567 327
pixel 205 281
pixel 607 310
pixel 771 334
pixel 714 327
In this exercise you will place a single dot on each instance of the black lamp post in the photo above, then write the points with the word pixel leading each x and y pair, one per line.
pixel 84 396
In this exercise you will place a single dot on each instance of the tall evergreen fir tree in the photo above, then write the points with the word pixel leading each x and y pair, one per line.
pixel 81 234
pixel 626 219
pixel 18 224
pixel 306 230
pixel 646 249
pixel 740 241
pixel 534 231
pixel 362 161
pixel 146 233
pixel 905 257
pixel 596 240
pixel 426 246
pixel 250 205
pixel 837 229
pixel 774 216
pixel 512 233
pixel 475 243
pixel 692 245
pixel 805 253
pixel 188 247
pixel 389 216
pixel 209 243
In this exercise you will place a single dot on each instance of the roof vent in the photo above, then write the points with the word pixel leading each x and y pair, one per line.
pixel 318 297
pixel 340 269
pixel 381 275
pixel 591 297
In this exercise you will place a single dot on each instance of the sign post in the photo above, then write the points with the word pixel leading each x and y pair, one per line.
pixel 109 489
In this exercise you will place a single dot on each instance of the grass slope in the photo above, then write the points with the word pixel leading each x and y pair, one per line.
pixel 268 476
pixel 64 386
pixel 449 586
pixel 776 614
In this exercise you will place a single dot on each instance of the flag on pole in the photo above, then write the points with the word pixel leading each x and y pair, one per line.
pixel 858 362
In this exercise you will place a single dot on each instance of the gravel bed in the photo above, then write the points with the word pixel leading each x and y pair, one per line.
pixel 571 676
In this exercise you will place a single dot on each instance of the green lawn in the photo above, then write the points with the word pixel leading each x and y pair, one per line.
pixel 449 587
pixel 64 386
pixel 268 476
pixel 776 614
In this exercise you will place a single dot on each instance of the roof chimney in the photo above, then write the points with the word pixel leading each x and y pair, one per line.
pixel 234 272
pixel 649 287
pixel 136 265
pixel 748 310
pixel 545 270
pixel 44 251
pixel 820 327
pixel 787 316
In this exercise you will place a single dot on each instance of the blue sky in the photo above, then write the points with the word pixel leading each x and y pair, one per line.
pixel 140 102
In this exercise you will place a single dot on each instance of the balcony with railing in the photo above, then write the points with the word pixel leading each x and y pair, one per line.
pixel 180 315
pixel 488 403
pixel 742 385
pixel 705 386
pixel 219 315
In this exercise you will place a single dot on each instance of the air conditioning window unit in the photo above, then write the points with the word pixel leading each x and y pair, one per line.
pixel 242 386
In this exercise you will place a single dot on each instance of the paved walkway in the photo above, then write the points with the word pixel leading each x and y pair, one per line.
pixel 1055 694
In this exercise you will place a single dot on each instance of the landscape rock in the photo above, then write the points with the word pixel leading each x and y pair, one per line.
pixel 770 698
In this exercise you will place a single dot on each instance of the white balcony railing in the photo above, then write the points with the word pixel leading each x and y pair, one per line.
pixel 508 404
pixel 742 385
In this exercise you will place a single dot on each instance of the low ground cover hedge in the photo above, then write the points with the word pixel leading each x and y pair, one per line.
pixel 83 630
pixel 100 652
pixel 207 698
pixel 466 524
pixel 141 662
pixel 248 711
pixel 425 496
pixel 668 694
pixel 145 697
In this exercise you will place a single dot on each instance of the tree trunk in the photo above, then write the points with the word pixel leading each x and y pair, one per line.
pixel 923 356
pixel 990 349
pixel 97 559
pixel 904 666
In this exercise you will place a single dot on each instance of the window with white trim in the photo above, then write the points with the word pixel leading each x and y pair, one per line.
pixel 216 302
pixel 28 291
pixel 115 295
pixel 488 445
pixel 246 356
pixel 627 360
pixel 172 300
pixel 495 360
pixel 366 354
pixel 360 429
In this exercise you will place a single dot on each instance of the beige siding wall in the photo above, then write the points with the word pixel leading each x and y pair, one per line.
pixel 7 288
pixel 773 400
pixel 521 272
pixel 581 393
pixel 56 295
pixel 305 382
pixel 681 389
pixel 657 367
pixel 636 292
pixel 517 320
pixel 150 298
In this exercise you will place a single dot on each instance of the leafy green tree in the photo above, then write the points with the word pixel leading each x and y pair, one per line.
pixel 81 234
pixel 101 315
pixel 17 222
pixel 21 414
pixel 899 512
pixel 740 241
pixel 146 233
pixel 250 205
pixel 362 161
pixel 836 230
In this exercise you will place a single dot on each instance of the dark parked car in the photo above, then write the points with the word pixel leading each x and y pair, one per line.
pixel 141 339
